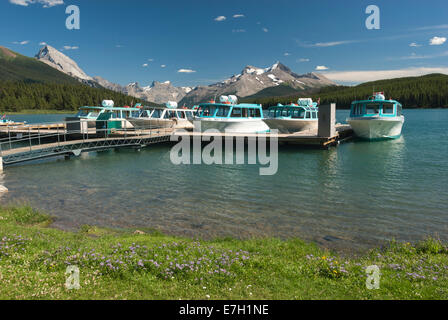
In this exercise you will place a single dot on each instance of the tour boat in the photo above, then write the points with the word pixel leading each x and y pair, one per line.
pixel 107 111
pixel 376 118
pixel 228 116
pixel 294 117
pixel 160 117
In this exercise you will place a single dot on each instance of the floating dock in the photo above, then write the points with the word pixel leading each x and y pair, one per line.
pixel 36 141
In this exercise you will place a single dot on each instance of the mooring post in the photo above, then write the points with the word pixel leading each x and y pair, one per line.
pixel 327 121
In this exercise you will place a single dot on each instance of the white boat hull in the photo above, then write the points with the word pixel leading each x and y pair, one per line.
pixel 374 128
pixel 291 125
pixel 147 123
pixel 231 125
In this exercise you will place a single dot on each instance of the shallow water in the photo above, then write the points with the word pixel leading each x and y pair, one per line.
pixel 355 196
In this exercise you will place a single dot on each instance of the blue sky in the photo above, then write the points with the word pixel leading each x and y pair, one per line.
pixel 136 40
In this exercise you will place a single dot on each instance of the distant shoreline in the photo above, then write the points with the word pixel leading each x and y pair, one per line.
pixel 38 112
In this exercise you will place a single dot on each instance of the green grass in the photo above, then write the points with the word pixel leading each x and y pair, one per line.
pixel 116 264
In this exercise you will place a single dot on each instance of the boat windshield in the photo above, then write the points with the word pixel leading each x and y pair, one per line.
pixel 88 112
pixel 298 114
pixel 180 114
pixel 157 114
pixel 222 112
pixel 208 111
pixel 372 108
pixel 169 114
pixel 190 115
pixel 388 108
pixel 145 113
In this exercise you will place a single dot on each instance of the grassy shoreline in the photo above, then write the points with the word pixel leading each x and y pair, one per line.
pixel 134 265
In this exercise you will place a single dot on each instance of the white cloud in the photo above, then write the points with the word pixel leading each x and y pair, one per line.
pixel 118 46
pixel 286 54
pixel 144 65
pixel 21 42
pixel 162 66
pixel 70 47
pixel 220 18
pixel 186 71
pixel 45 3
pixel 327 44
pixel 372 75
pixel 414 44
pixel 440 26
pixel 437 41
pixel 321 68
pixel 42 43
pixel 238 16
pixel 238 30
pixel 265 29
pixel 303 60
pixel 150 60
pixel 415 56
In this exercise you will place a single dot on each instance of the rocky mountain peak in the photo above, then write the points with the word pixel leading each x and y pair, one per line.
pixel 61 62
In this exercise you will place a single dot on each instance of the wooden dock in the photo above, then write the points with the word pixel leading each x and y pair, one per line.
pixel 308 138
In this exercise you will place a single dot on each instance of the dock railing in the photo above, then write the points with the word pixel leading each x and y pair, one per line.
pixel 27 138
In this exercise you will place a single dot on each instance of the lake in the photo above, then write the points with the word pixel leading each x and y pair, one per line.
pixel 351 197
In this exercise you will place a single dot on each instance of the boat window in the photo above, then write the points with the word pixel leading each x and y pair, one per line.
pixel 82 113
pixel 298 114
pixel 372 108
pixel 271 112
pixel 257 113
pixel 180 114
pixel 308 115
pixel 134 114
pixel 285 112
pixel 314 115
pixel 208 111
pixel 190 115
pixel 388 108
pixel 157 114
pixel 278 112
pixel 251 112
pixel 169 114
pixel 399 110
pixel 359 109
pixel 223 112
pixel 236 113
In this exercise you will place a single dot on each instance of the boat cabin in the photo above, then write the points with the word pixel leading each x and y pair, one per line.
pixel 92 113
pixel 376 106
pixel 293 111
pixel 165 113
pixel 223 110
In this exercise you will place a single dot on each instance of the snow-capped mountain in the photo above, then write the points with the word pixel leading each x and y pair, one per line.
pixel 252 80
pixel 158 92
pixel 61 62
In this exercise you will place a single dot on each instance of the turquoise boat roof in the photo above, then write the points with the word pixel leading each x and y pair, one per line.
pixel 376 101
pixel 111 108
pixel 241 105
